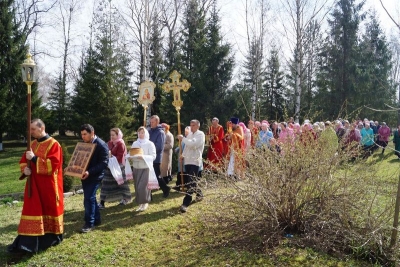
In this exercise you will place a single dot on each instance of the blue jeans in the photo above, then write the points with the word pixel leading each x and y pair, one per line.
pixel 92 212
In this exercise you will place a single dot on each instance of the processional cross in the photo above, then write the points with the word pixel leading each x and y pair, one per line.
pixel 176 86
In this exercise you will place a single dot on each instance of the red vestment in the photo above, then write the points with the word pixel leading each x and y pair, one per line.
pixel 235 144
pixel 42 213
pixel 216 148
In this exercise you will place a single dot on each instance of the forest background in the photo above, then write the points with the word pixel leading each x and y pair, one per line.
pixel 308 59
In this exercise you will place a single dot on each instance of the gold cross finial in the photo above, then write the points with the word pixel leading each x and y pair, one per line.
pixel 176 86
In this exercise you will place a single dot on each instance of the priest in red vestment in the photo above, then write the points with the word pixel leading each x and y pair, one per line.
pixel 42 221
pixel 216 148
pixel 235 149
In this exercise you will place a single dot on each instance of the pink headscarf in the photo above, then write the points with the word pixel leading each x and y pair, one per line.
pixel 119 137
pixel 243 126
pixel 307 126
pixel 297 128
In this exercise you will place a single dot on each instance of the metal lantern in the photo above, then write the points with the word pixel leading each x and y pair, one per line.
pixel 29 70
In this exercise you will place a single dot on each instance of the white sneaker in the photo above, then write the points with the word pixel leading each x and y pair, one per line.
pixel 140 207
pixel 144 206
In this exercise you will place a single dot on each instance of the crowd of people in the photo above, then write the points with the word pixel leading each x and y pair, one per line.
pixel 360 137
pixel 111 166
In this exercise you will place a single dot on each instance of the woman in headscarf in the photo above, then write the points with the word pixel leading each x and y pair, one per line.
pixel 297 130
pixel 352 142
pixel 115 186
pixel 247 136
pixel 253 131
pixel 286 136
pixel 308 135
pixel 264 136
pixel 142 168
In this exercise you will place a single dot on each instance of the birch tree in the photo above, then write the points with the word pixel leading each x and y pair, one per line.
pixel 170 14
pixel 256 25
pixel 59 97
pixel 301 14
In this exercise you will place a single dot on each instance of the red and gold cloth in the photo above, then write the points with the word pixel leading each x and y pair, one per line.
pixel 235 144
pixel 216 148
pixel 43 212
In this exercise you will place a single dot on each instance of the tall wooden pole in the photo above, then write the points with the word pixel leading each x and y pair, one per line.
pixel 145 116
pixel 393 239
pixel 180 148
pixel 28 68
pixel 28 134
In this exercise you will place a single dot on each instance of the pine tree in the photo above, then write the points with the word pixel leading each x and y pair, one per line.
pixel 236 103
pixel 338 75
pixel 13 105
pixel 59 103
pixel 193 60
pixel 207 63
pixel 102 93
pixel 374 71
pixel 219 64
pixel 254 72
pixel 273 98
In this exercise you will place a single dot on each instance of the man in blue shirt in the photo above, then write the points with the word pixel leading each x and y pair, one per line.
pixel 157 136
pixel 92 177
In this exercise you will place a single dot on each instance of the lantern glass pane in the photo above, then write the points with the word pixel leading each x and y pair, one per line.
pixel 35 74
pixel 23 73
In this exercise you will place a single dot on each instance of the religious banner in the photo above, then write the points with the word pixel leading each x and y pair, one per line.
pixel 80 159
pixel 146 96
pixel 146 93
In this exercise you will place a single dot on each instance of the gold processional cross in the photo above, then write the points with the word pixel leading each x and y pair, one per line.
pixel 176 86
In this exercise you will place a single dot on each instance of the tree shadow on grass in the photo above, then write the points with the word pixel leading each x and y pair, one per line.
pixel 395 160
pixel 116 217
pixel 12 258
pixel 7 258
pixel 120 216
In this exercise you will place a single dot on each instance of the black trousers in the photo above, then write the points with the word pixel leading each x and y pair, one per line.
pixel 161 182
pixel 191 178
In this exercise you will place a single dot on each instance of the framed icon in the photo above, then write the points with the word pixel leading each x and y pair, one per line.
pixel 80 159
pixel 146 93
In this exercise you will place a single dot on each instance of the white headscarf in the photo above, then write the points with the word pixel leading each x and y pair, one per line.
pixel 139 142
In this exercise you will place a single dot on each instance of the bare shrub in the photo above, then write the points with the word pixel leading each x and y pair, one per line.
pixel 318 194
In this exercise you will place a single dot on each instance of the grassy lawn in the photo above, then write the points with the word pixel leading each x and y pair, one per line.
pixel 9 163
pixel 160 236
pixel 9 169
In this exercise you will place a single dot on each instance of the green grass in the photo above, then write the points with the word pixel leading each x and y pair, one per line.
pixel 9 168
pixel 160 236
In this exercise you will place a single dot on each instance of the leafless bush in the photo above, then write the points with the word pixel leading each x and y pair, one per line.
pixel 318 194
